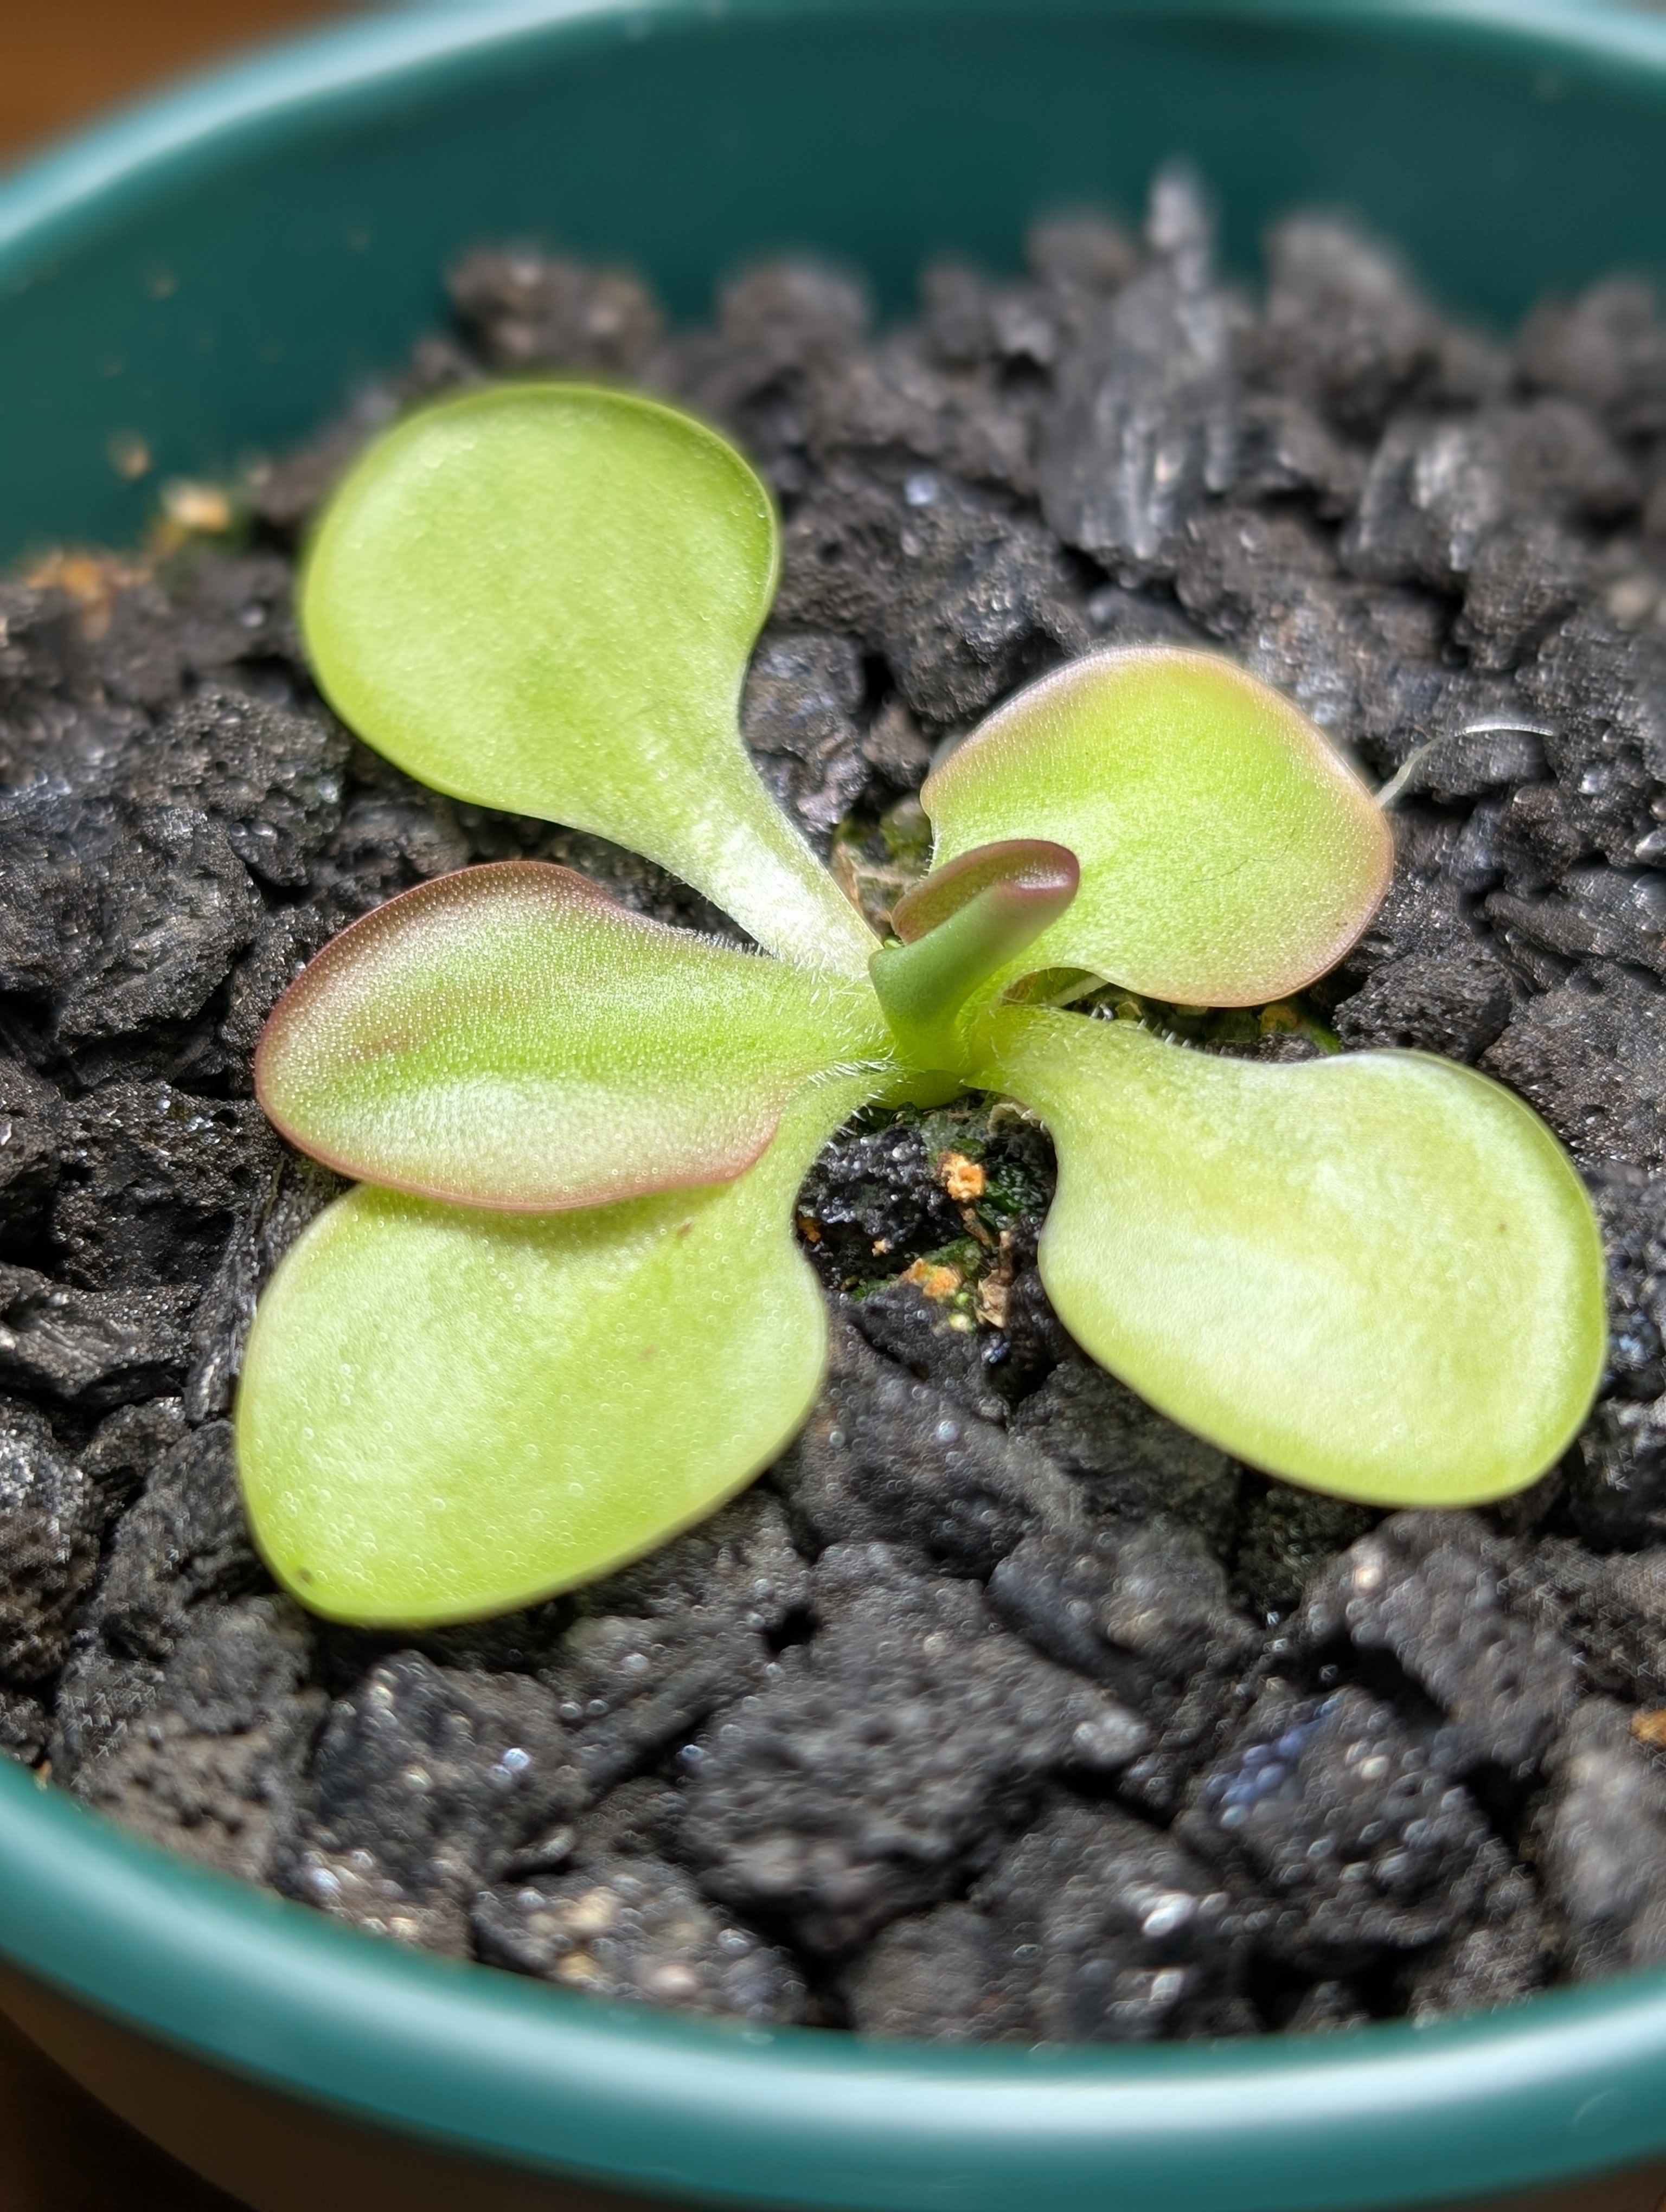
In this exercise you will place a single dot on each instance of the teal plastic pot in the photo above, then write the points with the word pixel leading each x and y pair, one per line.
pixel 210 275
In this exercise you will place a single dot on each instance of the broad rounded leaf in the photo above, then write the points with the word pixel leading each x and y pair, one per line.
pixel 1376 1274
pixel 509 1037
pixel 543 598
pixel 1228 854
pixel 445 1413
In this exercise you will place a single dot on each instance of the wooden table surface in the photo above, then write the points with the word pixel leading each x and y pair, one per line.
pixel 63 60
pixel 60 2152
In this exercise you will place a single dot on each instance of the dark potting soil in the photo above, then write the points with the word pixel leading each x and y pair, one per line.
pixel 999 1707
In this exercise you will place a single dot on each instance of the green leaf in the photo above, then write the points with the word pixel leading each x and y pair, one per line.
pixel 509 1037
pixel 1376 1274
pixel 958 927
pixel 1229 856
pixel 445 1413
pixel 543 598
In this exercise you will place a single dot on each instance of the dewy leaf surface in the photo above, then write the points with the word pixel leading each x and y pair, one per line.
pixel 543 598
pixel 509 1037
pixel 1377 1274
pixel 445 1413
pixel 1228 854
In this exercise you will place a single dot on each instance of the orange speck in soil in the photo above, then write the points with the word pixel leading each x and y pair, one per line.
pixel 935 1282
pixel 962 1178
pixel 1649 1727
pixel 91 579
pixel 198 507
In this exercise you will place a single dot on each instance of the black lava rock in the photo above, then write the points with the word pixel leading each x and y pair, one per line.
pixel 1454 1006
pixel 424 1781
pixel 1092 1928
pixel 151 1179
pixel 91 1349
pixel 1128 1460
pixel 1439 488
pixel 884 1765
pixel 1344 328
pixel 184 1544
pixel 1359 1843
pixel 1430 1590
pixel 209 1760
pixel 938 1342
pixel 1604 1849
pixel 875 1200
pixel 32 1116
pixel 798 715
pixel 962 596
pixel 1126 1935
pixel 1140 1607
pixel 655 1649
pixel 639 1929
pixel 1509 1954
pixel 1286 1536
pixel 115 948
pixel 1145 428
pixel 528 311
pixel 51 1517
pixel 270 1219
pixel 1608 349
pixel 1610 1609
pixel 886 1458
pixel 1617 1474
pixel 1588 1053
pixel 937 1976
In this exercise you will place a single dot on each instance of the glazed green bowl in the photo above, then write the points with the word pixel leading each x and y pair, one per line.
pixel 211 275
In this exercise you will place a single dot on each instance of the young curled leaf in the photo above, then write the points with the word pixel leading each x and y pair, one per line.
pixel 446 1414
pixel 509 1037
pixel 1376 1274
pixel 541 597
pixel 958 928
pixel 1228 854
pixel 1019 876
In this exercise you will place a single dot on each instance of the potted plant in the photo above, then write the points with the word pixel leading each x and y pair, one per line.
pixel 285 2058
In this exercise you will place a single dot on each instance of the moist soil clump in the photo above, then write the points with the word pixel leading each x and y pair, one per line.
pixel 999 1707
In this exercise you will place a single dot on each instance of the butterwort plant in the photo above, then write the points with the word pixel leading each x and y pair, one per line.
pixel 563 1315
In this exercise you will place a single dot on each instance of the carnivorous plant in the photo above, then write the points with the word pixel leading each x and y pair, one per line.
pixel 563 1315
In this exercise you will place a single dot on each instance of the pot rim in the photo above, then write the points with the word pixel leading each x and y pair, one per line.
pixel 485 2061
pixel 366 64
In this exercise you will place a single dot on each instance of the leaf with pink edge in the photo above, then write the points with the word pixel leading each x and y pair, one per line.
pixel 509 1037
pixel 1228 854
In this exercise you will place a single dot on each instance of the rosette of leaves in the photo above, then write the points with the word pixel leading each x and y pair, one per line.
pixel 563 1316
